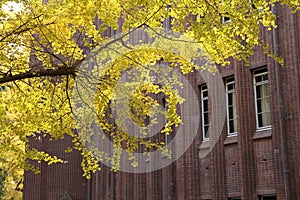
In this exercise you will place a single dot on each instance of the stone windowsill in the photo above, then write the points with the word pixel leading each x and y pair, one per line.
pixel 231 140
pixel 204 145
pixel 260 134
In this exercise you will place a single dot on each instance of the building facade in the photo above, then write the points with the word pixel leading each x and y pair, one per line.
pixel 257 156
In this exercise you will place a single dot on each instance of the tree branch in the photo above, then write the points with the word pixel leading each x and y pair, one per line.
pixel 61 71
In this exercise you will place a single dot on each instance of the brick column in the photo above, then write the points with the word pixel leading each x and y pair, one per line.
pixel 246 128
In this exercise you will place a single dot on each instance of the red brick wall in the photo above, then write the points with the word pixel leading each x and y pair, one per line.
pixel 245 166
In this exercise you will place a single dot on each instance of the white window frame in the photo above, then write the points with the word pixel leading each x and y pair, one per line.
pixel 203 89
pixel 255 74
pixel 231 91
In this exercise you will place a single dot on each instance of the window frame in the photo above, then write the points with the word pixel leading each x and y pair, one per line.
pixel 227 82
pixel 164 104
pixel 256 73
pixel 225 19
pixel 205 137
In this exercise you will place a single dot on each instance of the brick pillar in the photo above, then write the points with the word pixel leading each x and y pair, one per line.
pixel 246 128
pixel 219 170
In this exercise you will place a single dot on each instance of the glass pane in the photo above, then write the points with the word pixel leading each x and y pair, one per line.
pixel 265 90
pixel 258 91
pixel 234 112
pixel 229 99
pixel 258 79
pixel 231 126
pixel 204 94
pixel 234 125
pixel 205 122
pixel 206 135
pixel 205 105
pixel 230 86
pixel 233 99
pixel 266 121
pixel 226 19
pixel 260 121
pixel 230 113
pixel 269 198
pixel 259 109
pixel 265 77
pixel 260 71
pixel 230 80
pixel 265 104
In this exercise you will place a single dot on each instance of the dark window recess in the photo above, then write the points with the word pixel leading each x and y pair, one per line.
pixel 268 198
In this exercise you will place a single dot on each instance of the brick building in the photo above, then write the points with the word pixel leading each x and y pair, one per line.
pixel 256 157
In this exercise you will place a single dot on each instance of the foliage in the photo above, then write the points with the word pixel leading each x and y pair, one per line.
pixel 43 44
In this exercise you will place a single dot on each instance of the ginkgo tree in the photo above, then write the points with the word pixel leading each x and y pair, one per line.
pixel 43 45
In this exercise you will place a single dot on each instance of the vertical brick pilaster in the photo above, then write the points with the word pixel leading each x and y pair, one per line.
pixel 246 128
pixel 219 170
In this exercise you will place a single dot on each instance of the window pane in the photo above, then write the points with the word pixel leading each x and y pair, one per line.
pixel 258 91
pixel 205 119
pixel 228 80
pixel 265 90
pixel 269 198
pixel 204 94
pixel 206 135
pixel 266 119
pixel 205 105
pixel 265 104
pixel 234 125
pixel 230 87
pixel 234 111
pixel 230 99
pixel 261 71
pixel 260 121
pixel 233 99
pixel 231 126
pixel 265 77
pixel 258 79
pixel 259 109
pixel 230 113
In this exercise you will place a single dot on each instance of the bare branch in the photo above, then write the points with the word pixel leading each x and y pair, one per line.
pixel 61 71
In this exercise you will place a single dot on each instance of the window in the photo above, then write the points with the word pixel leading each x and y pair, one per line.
pixel 205 119
pixel 267 197
pixel 262 99
pixel 225 19
pixel 231 107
